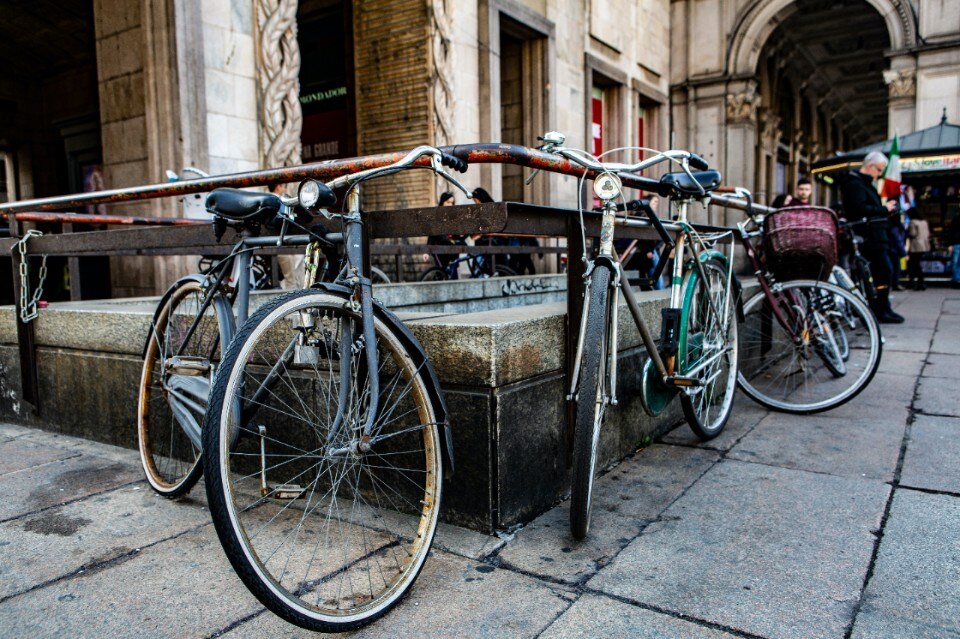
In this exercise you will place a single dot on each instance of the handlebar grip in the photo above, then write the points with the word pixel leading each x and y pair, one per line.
pixel 698 162
pixel 453 162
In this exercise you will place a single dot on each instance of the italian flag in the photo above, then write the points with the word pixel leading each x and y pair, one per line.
pixel 891 176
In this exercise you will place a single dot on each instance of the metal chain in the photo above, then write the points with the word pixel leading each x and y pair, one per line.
pixel 28 304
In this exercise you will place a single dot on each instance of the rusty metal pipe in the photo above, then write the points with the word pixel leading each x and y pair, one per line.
pixel 326 170
pixel 81 218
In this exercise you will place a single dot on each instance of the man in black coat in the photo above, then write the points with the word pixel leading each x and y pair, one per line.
pixel 861 200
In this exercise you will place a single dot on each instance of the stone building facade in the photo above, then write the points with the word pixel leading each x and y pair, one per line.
pixel 762 88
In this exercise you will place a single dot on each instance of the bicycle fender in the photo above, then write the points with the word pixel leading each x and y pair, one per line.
pixel 420 360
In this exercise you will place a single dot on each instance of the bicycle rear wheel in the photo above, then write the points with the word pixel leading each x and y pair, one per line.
pixel 591 403
pixel 326 528
pixel 708 348
pixel 180 357
pixel 780 364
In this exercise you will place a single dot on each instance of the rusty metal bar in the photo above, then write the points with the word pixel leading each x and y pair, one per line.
pixel 326 170
pixel 82 218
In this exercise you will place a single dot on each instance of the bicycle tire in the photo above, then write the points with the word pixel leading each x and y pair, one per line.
pixel 304 585
pixel 377 276
pixel 777 373
pixel 696 329
pixel 590 405
pixel 169 403
pixel 503 271
pixel 434 274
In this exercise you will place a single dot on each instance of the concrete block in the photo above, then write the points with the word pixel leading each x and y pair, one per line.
pixel 932 452
pixel 914 591
pixel 59 482
pixel 593 616
pixel 776 537
pixel 825 444
pixel 451 598
pixel 209 596
pixel 938 396
pixel 121 98
pixel 89 532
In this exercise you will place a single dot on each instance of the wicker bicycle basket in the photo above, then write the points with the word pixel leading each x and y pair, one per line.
pixel 800 242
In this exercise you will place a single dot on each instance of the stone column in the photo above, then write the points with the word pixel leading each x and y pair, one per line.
pixel 902 87
pixel 742 103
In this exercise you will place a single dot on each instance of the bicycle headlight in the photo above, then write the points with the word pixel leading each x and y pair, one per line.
pixel 607 186
pixel 308 194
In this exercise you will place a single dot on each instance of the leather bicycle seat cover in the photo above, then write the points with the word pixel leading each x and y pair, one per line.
pixel 681 184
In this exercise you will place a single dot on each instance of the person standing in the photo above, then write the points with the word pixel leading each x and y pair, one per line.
pixel 804 195
pixel 861 200
pixel 954 238
pixel 919 234
pixel 897 241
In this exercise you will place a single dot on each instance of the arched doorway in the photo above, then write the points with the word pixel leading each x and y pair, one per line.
pixel 821 88
pixel 792 81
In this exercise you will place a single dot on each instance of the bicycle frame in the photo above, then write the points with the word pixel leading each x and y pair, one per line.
pixel 607 256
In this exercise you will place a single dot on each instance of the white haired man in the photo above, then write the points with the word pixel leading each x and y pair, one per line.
pixel 861 200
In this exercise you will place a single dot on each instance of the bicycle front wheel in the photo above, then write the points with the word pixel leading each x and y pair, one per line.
pixel 708 348
pixel 591 403
pixel 181 353
pixel 786 359
pixel 326 524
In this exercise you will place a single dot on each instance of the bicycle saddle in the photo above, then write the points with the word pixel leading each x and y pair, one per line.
pixel 679 183
pixel 243 206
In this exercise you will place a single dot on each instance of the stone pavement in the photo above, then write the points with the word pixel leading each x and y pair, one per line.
pixel 840 525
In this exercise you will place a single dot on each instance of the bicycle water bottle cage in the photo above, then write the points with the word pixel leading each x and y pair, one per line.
pixel 670 331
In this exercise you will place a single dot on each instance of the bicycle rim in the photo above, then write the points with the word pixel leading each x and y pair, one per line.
pixel 326 535
pixel 787 375
pixel 591 405
pixel 708 342
pixel 172 404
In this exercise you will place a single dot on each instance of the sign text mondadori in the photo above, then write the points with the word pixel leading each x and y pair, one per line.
pixel 930 163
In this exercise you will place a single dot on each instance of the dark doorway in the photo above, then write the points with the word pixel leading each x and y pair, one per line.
pixel 325 35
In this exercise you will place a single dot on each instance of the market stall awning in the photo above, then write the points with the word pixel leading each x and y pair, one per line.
pixel 929 151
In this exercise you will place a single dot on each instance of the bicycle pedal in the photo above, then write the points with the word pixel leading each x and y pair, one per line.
pixel 287 492
pixel 685 382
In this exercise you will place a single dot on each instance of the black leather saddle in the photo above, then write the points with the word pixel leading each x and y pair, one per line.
pixel 243 206
pixel 680 184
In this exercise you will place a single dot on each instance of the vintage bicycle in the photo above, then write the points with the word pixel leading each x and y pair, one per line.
pixel 806 345
pixel 326 438
pixel 696 357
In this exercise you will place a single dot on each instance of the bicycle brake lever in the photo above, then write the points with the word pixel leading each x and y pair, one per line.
pixel 437 166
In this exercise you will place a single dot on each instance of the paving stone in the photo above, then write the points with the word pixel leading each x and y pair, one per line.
pixel 545 548
pixel 887 397
pixel 745 416
pixel 770 551
pixel 624 500
pixel 452 597
pixel 940 365
pixel 901 363
pixel 932 453
pixel 89 532
pixel 825 444
pixel 901 337
pixel 593 616
pixel 17 454
pixel 938 396
pixel 947 337
pixel 464 542
pixel 181 588
pixel 12 431
pixel 58 482
pixel 914 590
